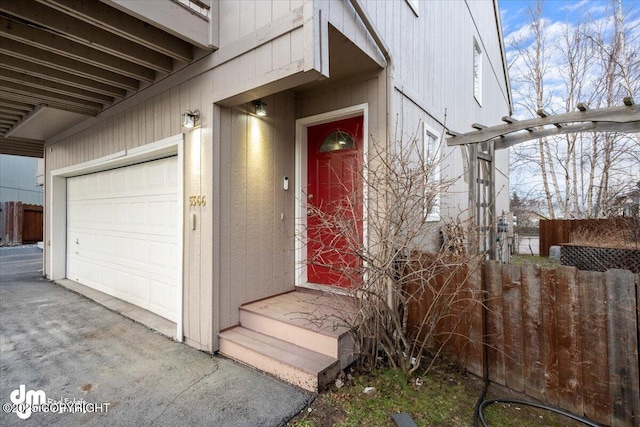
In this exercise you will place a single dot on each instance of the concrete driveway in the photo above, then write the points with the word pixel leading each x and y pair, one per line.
pixel 119 371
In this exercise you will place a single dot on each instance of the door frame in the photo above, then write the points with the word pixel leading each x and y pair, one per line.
pixel 301 184
pixel 57 220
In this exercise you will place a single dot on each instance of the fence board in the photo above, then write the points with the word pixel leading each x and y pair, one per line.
pixel 568 333
pixel 549 341
pixel 566 337
pixel 474 347
pixel 593 331
pixel 31 223
pixel 513 333
pixel 495 329
pixel 533 325
pixel 623 348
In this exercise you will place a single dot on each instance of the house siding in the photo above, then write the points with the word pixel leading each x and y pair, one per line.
pixel 243 246
pixel 433 80
pixel 256 216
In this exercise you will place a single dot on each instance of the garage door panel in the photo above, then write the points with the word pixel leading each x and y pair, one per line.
pixel 125 223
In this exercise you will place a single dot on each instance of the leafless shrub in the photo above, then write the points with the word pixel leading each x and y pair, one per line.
pixel 408 276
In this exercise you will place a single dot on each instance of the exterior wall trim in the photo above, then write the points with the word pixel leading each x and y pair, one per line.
pixel 57 220
pixel 301 180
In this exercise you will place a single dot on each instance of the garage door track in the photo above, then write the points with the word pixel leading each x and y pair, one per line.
pixel 96 367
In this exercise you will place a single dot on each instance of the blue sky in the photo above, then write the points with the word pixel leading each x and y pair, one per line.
pixel 515 12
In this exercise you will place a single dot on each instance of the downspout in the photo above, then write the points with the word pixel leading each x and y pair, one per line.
pixel 377 38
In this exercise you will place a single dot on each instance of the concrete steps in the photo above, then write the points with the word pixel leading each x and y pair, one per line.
pixel 297 337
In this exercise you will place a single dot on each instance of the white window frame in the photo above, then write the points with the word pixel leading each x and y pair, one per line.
pixel 477 71
pixel 431 145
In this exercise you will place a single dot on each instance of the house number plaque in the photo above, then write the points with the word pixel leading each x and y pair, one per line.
pixel 197 201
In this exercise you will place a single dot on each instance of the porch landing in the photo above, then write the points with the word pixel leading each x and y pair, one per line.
pixel 299 337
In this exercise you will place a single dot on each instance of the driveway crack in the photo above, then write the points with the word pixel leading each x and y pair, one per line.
pixel 214 370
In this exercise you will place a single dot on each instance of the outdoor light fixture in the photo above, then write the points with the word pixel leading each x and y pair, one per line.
pixel 261 107
pixel 189 118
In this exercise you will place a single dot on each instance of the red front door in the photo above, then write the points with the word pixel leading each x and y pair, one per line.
pixel 334 199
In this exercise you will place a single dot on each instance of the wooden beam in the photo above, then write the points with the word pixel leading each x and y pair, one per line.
pixel 38 83
pixel 12 91
pixel 508 119
pixel 478 126
pixel 543 113
pixel 5 115
pixel 18 107
pixel 126 26
pixel 22 147
pixel 582 106
pixel 48 73
pixel 86 34
pixel 511 140
pixel 625 114
pixel 42 56
pixel 71 49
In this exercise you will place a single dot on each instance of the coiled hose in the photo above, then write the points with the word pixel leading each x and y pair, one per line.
pixel 486 403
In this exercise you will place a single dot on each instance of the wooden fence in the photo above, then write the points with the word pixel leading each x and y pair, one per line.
pixel 558 231
pixel 20 223
pixel 562 336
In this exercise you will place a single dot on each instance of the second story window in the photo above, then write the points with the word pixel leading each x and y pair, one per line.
pixel 432 185
pixel 477 71
pixel 198 7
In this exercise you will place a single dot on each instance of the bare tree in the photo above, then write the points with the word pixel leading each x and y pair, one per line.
pixel 597 61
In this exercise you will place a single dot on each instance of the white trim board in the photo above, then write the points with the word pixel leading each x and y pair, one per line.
pixel 301 180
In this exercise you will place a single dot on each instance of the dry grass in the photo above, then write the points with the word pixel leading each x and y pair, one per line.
pixel 603 237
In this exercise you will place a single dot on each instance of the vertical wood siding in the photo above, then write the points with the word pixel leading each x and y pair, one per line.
pixel 432 56
pixel 256 245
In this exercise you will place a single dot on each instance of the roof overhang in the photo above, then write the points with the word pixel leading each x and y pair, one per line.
pixel 63 61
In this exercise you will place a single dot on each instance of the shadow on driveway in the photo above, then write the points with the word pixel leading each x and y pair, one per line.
pixel 72 348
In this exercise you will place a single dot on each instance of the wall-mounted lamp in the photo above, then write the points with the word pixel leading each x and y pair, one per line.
pixel 261 107
pixel 189 118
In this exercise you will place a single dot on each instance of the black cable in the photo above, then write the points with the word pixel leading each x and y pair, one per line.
pixel 534 405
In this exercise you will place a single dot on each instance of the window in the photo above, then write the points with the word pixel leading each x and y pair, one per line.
pixel 337 140
pixel 432 180
pixel 477 71
pixel 198 7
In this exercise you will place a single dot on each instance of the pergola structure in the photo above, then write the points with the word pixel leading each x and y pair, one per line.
pixel 483 141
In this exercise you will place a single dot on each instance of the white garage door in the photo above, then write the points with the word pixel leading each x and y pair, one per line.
pixel 122 234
